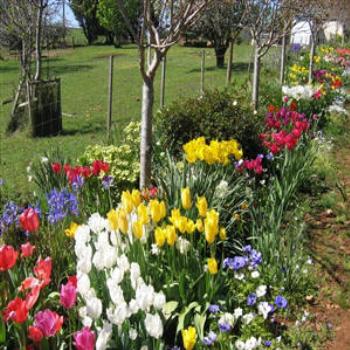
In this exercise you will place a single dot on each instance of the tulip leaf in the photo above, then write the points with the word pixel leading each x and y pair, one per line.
pixel 183 315
pixel 169 308
pixel 2 332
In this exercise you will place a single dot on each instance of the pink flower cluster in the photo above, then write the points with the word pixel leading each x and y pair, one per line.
pixel 284 127
pixel 255 165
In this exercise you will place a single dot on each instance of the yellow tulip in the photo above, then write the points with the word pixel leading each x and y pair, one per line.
pixel 190 226
pixel 189 337
pixel 70 232
pixel 136 198
pixel 143 214
pixel 162 209
pixel 202 206
pixel 175 215
pixel 127 201
pixel 137 229
pixel 199 225
pixel 112 217
pixel 159 236
pixel 222 233
pixel 157 210
pixel 171 236
pixel 181 224
pixel 123 221
pixel 212 266
pixel 211 226
pixel 186 199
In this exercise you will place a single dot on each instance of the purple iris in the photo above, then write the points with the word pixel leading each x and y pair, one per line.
pixel 210 339
pixel 267 343
pixel 251 299
pixel 247 249
pixel 214 309
pixel 107 182
pixel 255 258
pixel 78 183
pixel 9 216
pixel 296 47
pixel 224 327
pixel 281 302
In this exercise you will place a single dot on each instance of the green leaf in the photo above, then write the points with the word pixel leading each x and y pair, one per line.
pixel 169 308
pixel 2 332
pixel 183 315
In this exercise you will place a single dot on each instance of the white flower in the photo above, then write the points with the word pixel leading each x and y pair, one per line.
pixel 135 273
pixel 255 274
pixel 28 169
pixel 44 160
pixel 261 291
pixel 97 223
pixel 252 343
pixel 264 308
pixel 238 312
pixel 227 318
pixel 144 347
pixel 123 263
pixel 240 345
pixel 99 260
pixel 85 320
pixel 255 112
pixel 84 265
pixel 155 249
pixel 247 318
pixel 83 284
pixel 82 235
pixel 94 308
pixel 30 178
pixel 132 333
pixel 154 325
pixel 298 92
pixel 238 276
pixel 159 300
pixel 133 306
pixel 117 275
pixel 115 292
pixel 104 336
pixel 183 245
pixel 144 296
pixel 221 189
pixel 234 103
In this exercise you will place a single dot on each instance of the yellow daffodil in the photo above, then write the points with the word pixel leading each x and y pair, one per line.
pixel 159 236
pixel 186 199
pixel 137 229
pixel 202 206
pixel 189 338
pixel 112 217
pixel 70 232
pixel 171 236
pixel 212 266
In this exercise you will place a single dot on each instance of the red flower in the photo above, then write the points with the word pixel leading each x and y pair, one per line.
pixel 271 108
pixel 73 280
pixel 8 257
pixel 49 322
pixel 32 297
pixel 294 105
pixel 35 334
pixel 98 166
pixel 337 83
pixel 317 95
pixel 42 271
pixel 27 250
pixel 29 283
pixel 16 311
pixel 29 220
pixel 56 167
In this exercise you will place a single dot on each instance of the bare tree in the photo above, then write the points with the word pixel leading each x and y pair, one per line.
pixel 265 19
pixel 162 21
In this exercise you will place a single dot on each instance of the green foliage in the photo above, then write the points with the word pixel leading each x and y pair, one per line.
pixel 215 115
pixel 123 159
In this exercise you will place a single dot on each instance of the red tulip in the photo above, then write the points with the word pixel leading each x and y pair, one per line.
pixel 29 220
pixel 35 334
pixel 42 270
pixel 32 297
pixel 73 279
pixel 16 311
pixel 29 283
pixel 56 167
pixel 8 257
pixel 27 250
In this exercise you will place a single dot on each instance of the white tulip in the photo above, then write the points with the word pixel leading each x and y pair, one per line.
pixel 154 325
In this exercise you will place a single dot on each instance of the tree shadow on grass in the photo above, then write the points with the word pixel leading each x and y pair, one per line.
pixel 86 129
pixel 69 68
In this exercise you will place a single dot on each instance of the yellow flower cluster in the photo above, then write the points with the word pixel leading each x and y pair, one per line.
pixel 326 50
pixel 298 74
pixel 317 59
pixel 295 68
pixel 189 338
pixel 217 152
pixel 70 232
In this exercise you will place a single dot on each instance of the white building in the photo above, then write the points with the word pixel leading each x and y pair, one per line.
pixel 301 33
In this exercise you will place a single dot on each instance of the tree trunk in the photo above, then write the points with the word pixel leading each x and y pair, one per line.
pixel 220 56
pixel 283 58
pixel 146 132
pixel 256 79
pixel 38 29
pixel 312 55
pixel 229 64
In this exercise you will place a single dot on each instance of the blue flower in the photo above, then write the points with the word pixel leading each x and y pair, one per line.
pixel 255 258
pixel 267 343
pixel 78 183
pixel 210 339
pixel 251 299
pixel 107 182
pixel 224 327
pixel 214 309
pixel 270 156
pixel 295 47
pixel 9 216
pixel 281 302
pixel 61 204
pixel 247 249
pixel 2 181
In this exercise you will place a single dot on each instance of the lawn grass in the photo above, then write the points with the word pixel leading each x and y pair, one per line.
pixel 83 72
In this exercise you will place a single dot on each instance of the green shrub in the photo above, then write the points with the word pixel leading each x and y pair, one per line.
pixel 215 115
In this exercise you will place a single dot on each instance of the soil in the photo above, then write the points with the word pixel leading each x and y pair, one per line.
pixel 330 246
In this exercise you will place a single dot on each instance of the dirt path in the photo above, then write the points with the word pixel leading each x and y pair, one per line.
pixel 330 245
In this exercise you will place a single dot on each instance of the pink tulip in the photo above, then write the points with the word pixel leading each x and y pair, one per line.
pixel 27 250
pixel 84 339
pixel 49 322
pixel 68 295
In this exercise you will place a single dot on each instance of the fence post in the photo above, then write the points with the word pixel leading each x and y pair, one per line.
pixel 202 71
pixel 229 63
pixel 162 83
pixel 110 97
